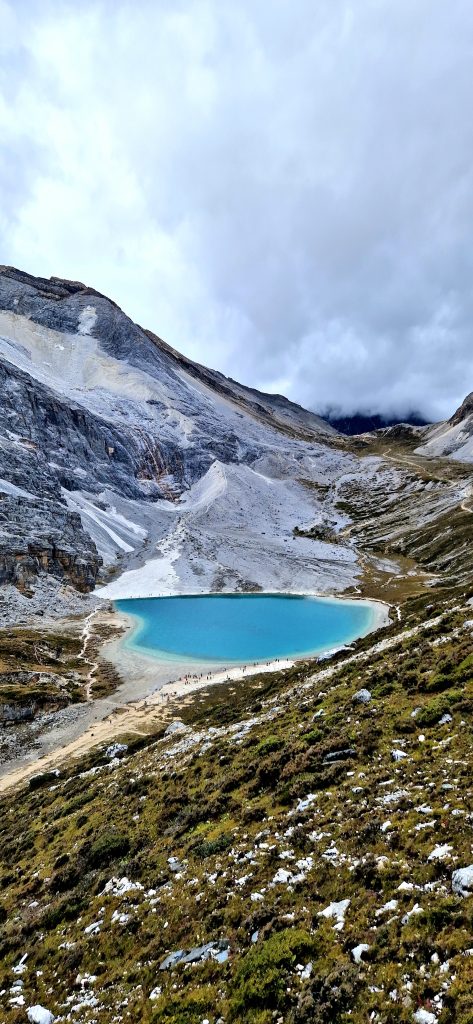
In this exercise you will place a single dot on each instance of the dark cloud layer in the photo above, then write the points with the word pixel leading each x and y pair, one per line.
pixel 283 191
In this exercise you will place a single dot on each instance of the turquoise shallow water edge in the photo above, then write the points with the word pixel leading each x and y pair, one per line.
pixel 243 628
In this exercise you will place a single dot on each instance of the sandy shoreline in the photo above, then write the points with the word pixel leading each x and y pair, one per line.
pixel 144 701
pixel 142 667
pixel 145 673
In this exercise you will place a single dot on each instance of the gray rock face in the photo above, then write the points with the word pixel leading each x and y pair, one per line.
pixel 11 714
pixel 116 450
pixel 454 437
pixel 41 536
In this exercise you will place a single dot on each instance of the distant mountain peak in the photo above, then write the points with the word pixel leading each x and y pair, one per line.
pixel 464 410
pixel 363 422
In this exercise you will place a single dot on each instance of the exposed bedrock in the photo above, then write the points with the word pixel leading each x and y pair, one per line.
pixel 118 454
pixel 44 537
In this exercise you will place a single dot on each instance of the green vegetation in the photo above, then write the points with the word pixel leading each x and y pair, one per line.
pixel 242 831
pixel 41 669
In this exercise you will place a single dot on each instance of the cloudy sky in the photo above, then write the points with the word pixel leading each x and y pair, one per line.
pixel 282 189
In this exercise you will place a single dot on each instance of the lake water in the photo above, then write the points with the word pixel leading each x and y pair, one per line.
pixel 244 628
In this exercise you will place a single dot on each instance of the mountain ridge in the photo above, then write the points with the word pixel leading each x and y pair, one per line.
pixel 107 430
pixel 139 423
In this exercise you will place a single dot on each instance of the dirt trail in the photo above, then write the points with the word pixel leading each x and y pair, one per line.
pixel 143 718
pixel 93 665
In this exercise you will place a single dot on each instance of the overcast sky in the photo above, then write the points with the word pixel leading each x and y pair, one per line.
pixel 282 189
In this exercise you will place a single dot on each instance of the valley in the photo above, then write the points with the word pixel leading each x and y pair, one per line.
pixel 284 844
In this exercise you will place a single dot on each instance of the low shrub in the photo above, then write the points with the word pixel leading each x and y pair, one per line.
pixel 436 708
pixel 260 979
pixel 107 847
pixel 213 846
pixel 270 744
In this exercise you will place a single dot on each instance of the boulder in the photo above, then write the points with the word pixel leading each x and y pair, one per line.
pixel 39 1015
pixel 462 881
pixel 362 696
pixel 176 727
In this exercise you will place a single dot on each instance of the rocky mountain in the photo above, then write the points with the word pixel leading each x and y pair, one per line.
pixel 291 847
pixel 119 454
pixel 452 438
pixel 127 468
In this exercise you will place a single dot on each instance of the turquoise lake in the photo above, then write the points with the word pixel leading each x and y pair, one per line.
pixel 243 628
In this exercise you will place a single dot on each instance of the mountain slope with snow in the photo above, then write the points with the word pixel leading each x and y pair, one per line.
pixel 133 458
pixel 128 469
pixel 454 437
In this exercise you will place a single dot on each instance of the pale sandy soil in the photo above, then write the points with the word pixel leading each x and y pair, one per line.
pixel 140 717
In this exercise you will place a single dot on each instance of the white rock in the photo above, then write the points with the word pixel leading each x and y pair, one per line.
pixel 118 918
pixel 391 905
pixel 39 1015
pixel 397 755
pixel 412 913
pixel 94 928
pixel 440 852
pixel 116 750
pixel 362 696
pixel 424 1017
pixel 120 886
pixel 20 967
pixel 175 727
pixel 282 877
pixel 336 910
pixel 357 951
pixel 305 802
pixel 175 864
pixel 462 881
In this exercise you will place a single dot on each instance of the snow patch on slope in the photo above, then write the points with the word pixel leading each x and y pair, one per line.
pixel 446 439
pixel 111 531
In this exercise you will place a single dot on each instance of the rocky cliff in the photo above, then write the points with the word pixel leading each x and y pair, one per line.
pixel 118 453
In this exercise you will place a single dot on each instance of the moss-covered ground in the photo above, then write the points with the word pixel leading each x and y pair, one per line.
pixel 243 831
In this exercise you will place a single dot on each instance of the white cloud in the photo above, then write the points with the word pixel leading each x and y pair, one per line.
pixel 281 191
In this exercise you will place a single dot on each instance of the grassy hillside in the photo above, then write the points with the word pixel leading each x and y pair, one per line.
pixel 306 839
